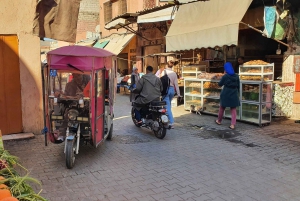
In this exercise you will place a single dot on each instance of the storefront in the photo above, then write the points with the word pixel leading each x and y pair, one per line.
pixel 223 33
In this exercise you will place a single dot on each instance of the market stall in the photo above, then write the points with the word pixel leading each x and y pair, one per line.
pixel 202 93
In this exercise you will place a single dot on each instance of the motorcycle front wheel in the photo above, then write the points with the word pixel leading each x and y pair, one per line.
pixel 70 153
pixel 133 118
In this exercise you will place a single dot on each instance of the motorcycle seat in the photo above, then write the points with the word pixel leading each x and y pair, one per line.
pixel 158 103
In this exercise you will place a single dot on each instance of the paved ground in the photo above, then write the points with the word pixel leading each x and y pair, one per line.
pixel 193 162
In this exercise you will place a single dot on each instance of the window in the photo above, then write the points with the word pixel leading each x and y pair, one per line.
pixel 149 4
pixel 107 11
pixel 122 7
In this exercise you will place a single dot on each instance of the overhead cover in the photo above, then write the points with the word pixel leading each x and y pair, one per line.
pixel 83 58
pixel 117 24
pixel 206 24
pixel 118 43
pixel 158 16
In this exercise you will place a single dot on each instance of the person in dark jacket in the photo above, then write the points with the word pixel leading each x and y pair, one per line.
pixel 149 88
pixel 230 94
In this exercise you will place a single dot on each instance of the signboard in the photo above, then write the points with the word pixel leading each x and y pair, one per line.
pixel 296 68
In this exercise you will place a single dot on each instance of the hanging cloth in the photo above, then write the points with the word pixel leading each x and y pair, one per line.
pixel 269 20
pixel 279 32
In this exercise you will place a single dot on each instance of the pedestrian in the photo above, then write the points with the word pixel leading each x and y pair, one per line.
pixel 240 61
pixel 229 96
pixel 134 79
pixel 171 91
pixel 159 71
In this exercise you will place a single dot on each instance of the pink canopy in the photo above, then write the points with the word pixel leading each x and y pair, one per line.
pixel 81 57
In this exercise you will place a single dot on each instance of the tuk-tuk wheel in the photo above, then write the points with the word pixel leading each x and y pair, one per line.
pixel 109 137
pixel 70 153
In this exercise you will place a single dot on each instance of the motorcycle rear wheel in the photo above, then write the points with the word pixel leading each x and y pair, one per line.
pixel 133 118
pixel 161 133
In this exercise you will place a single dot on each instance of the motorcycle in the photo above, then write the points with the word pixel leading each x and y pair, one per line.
pixel 154 118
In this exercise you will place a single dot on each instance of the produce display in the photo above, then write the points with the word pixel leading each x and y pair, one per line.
pixel 250 88
pixel 194 101
pixel 195 84
pixel 254 77
pixel 195 92
pixel 250 92
pixel 211 85
pixel 256 62
pixel 256 70
pixel 210 76
pixel 211 106
pixel 213 93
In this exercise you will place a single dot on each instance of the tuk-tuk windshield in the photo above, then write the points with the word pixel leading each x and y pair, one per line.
pixel 66 84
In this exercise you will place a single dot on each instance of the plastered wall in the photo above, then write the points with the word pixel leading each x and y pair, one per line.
pixel 14 19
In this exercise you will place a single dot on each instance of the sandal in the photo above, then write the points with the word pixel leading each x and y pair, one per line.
pixel 231 127
pixel 217 122
pixel 139 122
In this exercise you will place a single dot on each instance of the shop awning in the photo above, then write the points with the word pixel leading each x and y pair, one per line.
pixel 157 16
pixel 118 43
pixel 206 24
pixel 102 44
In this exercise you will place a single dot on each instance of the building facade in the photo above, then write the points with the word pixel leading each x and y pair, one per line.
pixel 88 20
pixel 114 9
pixel 21 108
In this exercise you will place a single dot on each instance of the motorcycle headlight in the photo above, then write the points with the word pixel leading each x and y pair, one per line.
pixel 72 114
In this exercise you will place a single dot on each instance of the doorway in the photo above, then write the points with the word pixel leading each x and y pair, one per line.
pixel 10 86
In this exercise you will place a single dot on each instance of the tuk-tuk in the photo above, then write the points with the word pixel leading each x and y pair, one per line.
pixel 79 90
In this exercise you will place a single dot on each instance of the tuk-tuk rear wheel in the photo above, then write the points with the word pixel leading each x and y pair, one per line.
pixel 70 153
pixel 109 137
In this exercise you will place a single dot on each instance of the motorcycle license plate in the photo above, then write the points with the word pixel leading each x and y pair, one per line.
pixel 164 119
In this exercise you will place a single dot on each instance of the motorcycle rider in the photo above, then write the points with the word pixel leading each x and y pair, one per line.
pixel 149 88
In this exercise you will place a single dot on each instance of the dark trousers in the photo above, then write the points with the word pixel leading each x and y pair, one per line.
pixel 141 113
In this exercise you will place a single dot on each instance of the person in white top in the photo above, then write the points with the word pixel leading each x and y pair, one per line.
pixel 172 89
pixel 159 71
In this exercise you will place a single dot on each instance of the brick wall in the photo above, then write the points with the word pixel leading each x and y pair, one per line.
pixel 88 19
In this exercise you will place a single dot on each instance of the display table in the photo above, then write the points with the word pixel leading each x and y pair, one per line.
pixel 203 96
